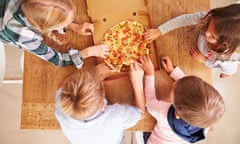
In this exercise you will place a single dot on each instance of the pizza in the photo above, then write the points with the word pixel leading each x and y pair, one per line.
pixel 126 43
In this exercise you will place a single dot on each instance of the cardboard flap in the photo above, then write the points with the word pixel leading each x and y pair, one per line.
pixel 99 8
pixel 119 89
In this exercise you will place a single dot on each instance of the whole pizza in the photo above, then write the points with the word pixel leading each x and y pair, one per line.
pixel 126 43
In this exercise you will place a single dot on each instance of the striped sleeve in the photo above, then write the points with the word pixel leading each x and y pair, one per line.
pixel 25 38
pixel 181 21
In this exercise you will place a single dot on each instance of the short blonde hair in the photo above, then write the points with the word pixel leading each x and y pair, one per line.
pixel 82 94
pixel 197 102
pixel 47 15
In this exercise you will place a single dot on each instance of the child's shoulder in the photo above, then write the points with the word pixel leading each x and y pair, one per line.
pixel 118 110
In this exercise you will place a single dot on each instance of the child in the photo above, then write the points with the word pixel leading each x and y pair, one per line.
pixel 83 113
pixel 218 40
pixel 196 106
pixel 23 24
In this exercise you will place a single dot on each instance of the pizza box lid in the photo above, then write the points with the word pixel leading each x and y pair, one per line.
pixel 107 13
pixel 100 8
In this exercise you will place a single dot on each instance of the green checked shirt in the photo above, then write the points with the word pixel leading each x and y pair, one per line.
pixel 16 30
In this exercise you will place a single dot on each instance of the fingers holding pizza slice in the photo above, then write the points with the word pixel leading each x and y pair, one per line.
pixel 126 43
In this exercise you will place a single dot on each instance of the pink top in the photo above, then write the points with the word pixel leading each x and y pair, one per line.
pixel 162 132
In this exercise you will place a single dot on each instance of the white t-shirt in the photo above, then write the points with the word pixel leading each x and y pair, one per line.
pixel 106 128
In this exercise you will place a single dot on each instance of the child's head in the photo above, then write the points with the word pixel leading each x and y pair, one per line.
pixel 221 28
pixel 197 102
pixel 82 94
pixel 48 15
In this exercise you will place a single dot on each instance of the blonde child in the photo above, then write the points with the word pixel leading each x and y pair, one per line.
pixel 24 22
pixel 83 113
pixel 218 40
pixel 196 105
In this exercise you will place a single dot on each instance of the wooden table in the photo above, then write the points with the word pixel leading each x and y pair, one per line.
pixel 41 78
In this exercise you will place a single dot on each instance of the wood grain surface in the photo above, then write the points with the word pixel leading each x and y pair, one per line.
pixel 41 78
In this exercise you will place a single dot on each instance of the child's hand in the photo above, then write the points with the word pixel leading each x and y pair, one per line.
pixel 101 50
pixel 136 76
pixel 152 34
pixel 147 65
pixel 167 64
pixel 83 29
pixel 195 53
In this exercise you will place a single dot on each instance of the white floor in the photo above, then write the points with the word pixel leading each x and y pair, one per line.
pixel 225 132
pixel 10 102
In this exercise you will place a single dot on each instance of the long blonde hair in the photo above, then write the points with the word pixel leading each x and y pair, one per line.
pixel 47 15
pixel 197 102
pixel 82 94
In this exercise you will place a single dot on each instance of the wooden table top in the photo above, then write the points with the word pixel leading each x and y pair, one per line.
pixel 41 78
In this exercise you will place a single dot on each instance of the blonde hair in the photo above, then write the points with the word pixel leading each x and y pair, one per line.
pixel 227 23
pixel 82 94
pixel 47 15
pixel 197 102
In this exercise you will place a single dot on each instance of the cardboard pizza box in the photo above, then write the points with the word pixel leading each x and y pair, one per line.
pixel 107 13
pixel 118 89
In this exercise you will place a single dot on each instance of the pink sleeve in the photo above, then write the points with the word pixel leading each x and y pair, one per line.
pixel 154 106
pixel 149 89
pixel 177 74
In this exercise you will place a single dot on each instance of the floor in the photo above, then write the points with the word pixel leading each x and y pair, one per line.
pixel 11 97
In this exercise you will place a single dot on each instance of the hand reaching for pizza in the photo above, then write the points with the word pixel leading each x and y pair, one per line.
pixel 83 29
pixel 101 50
pixel 147 65
pixel 136 76
pixel 152 34
pixel 167 64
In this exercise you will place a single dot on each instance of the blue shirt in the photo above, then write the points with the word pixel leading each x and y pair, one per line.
pixel 184 130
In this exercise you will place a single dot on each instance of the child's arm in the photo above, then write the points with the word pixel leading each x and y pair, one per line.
pixel 100 50
pixel 172 24
pixel 152 34
pixel 196 54
pixel 27 39
pixel 149 81
pixel 175 73
pixel 227 68
pixel 181 21
pixel 136 76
